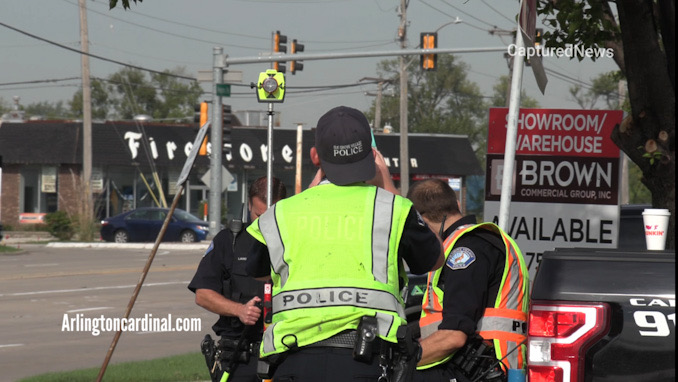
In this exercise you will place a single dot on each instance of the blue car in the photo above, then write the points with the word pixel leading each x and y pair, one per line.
pixel 144 224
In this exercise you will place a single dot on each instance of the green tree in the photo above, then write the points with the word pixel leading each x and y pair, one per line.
pixel 501 89
pixel 605 86
pixel 100 100
pixel 47 110
pixel 641 36
pixel 163 97
pixel 440 101
pixel 178 98
pixel 132 94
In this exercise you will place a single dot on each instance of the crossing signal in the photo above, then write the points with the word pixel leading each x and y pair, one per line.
pixel 279 46
pixel 537 44
pixel 227 124
pixel 200 117
pixel 429 41
pixel 296 65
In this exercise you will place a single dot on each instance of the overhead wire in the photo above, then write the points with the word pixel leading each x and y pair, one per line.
pixel 171 33
pixel 93 55
pixel 497 12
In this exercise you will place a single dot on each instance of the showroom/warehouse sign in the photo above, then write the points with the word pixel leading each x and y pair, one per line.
pixel 566 179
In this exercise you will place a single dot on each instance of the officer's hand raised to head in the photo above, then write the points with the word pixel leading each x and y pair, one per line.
pixel 382 177
pixel 250 312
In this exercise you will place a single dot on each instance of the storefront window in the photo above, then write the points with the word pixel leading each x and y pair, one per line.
pixel 39 189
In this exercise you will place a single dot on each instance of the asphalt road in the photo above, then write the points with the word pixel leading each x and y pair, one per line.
pixel 45 291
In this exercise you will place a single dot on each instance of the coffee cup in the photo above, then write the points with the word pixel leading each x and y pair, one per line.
pixel 656 222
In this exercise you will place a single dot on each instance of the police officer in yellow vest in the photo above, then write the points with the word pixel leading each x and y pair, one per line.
pixel 334 253
pixel 474 312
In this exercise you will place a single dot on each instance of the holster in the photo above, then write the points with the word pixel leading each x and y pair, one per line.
pixel 267 366
pixel 208 349
pixel 228 346
pixel 407 355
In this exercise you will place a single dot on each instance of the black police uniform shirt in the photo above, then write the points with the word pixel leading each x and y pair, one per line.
pixel 223 270
pixel 419 247
pixel 472 286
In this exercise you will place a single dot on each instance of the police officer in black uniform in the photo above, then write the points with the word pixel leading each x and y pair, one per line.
pixel 222 286
pixel 469 287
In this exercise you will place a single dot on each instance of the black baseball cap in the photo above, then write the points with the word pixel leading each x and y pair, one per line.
pixel 343 140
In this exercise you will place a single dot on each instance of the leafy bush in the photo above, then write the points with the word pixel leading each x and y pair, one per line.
pixel 59 224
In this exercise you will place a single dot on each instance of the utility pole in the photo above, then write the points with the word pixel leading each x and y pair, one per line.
pixel 216 135
pixel 377 109
pixel 404 149
pixel 377 106
pixel 86 116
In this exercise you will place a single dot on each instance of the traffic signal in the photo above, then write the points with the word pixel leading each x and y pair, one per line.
pixel 429 41
pixel 537 44
pixel 201 118
pixel 227 124
pixel 296 65
pixel 279 47
pixel 271 86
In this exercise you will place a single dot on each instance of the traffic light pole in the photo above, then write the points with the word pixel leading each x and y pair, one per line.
pixel 335 56
pixel 216 136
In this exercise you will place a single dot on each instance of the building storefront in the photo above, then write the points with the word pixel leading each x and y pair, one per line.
pixel 138 164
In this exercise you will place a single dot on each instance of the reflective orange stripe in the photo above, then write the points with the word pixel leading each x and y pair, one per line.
pixel 502 336
pixel 510 304
pixel 507 313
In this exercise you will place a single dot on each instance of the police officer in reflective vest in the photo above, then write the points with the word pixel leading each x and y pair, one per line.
pixel 474 312
pixel 334 255
pixel 222 286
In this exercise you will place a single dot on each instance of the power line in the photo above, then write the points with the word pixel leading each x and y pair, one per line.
pixel 93 55
pixel 171 33
pixel 39 81
pixel 452 17
pixel 223 32
pixel 497 12
pixel 468 14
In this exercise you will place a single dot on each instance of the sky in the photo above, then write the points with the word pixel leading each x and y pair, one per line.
pixel 170 34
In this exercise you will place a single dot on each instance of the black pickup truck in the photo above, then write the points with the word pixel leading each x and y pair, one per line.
pixel 603 315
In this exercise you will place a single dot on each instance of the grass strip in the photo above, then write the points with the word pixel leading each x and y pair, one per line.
pixel 181 368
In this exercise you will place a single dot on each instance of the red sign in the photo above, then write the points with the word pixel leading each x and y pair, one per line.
pixel 557 132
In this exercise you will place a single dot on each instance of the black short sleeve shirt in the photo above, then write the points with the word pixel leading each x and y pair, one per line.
pixel 222 269
pixel 470 288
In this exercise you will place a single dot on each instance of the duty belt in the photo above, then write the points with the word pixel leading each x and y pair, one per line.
pixel 345 339
pixel 230 344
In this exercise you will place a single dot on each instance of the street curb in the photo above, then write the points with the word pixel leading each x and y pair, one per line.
pixel 201 245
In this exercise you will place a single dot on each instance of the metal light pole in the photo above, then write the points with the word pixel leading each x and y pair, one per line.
pixel 404 147
pixel 216 136
pixel 511 135
pixel 269 157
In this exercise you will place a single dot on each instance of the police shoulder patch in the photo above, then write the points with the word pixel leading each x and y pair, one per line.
pixel 209 249
pixel 460 258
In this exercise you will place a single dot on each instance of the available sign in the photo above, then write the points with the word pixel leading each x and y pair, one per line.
pixel 565 181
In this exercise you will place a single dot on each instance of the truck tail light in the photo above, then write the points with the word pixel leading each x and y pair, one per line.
pixel 558 336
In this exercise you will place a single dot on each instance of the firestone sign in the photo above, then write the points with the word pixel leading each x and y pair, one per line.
pixel 565 181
